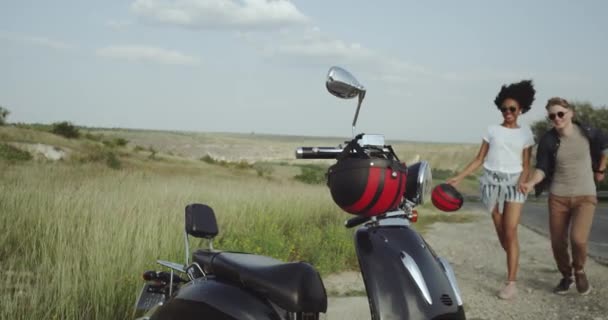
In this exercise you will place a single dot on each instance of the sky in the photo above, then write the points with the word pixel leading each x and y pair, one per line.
pixel 431 68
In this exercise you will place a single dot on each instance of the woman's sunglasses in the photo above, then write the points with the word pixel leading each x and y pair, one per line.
pixel 559 114
pixel 511 109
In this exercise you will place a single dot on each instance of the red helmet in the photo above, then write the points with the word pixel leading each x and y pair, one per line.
pixel 446 198
pixel 367 186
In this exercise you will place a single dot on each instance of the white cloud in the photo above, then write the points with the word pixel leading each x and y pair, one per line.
pixel 148 54
pixel 221 14
pixel 315 46
pixel 118 24
pixel 289 35
pixel 311 46
pixel 36 41
pixel 308 44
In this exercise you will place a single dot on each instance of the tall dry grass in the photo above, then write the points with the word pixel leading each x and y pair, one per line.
pixel 75 239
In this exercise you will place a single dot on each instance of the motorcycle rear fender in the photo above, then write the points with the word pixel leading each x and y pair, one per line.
pixel 403 277
pixel 215 300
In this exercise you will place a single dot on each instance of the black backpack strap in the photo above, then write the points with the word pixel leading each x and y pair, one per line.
pixel 393 154
pixel 353 145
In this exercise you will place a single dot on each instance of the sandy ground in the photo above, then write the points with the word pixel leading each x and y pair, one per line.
pixel 480 266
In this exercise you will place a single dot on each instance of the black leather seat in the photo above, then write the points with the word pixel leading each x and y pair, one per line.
pixel 294 286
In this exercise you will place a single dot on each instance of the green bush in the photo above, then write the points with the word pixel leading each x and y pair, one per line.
pixel 115 142
pixel 243 165
pixel 312 174
pixel 121 142
pixel 93 137
pixel 65 129
pixel 152 155
pixel 208 159
pixel 263 169
pixel 112 161
pixel 101 154
pixel 3 115
pixel 13 154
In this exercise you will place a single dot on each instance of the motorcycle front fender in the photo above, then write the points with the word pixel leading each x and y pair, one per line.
pixel 403 277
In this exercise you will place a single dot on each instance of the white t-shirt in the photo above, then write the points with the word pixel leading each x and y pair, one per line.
pixel 506 147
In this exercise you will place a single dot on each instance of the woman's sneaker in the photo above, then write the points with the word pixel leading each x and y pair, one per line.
pixel 582 284
pixel 509 291
pixel 563 286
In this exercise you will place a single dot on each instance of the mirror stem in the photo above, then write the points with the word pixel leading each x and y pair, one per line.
pixel 361 96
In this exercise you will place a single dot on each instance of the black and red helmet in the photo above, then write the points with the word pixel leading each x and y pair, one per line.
pixel 367 186
pixel 446 198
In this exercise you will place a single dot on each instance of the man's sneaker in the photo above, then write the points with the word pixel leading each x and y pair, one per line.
pixel 563 286
pixel 582 285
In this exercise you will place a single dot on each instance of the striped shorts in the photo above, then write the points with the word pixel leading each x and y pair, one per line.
pixel 498 187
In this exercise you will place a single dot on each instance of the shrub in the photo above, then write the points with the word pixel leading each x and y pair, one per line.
pixel 13 154
pixel 263 169
pixel 3 115
pixel 312 174
pixel 243 165
pixel 65 129
pixel 93 137
pixel 121 142
pixel 152 155
pixel 112 161
pixel 208 159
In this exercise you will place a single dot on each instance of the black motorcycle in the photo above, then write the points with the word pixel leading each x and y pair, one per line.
pixel 404 278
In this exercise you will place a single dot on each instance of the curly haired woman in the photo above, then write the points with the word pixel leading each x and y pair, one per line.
pixel 505 155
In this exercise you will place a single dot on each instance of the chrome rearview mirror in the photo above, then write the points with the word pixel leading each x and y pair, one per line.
pixel 344 85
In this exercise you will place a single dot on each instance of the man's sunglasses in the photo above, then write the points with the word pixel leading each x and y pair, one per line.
pixel 511 109
pixel 559 114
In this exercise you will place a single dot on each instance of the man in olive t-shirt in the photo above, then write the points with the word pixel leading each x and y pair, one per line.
pixel 565 157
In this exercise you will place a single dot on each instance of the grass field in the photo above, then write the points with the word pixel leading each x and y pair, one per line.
pixel 76 235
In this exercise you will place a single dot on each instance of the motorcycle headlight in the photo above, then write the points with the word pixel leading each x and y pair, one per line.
pixel 419 182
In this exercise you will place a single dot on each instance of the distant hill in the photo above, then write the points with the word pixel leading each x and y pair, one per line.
pixel 99 144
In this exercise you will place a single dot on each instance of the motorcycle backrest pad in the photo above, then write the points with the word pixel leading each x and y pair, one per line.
pixel 200 221
pixel 446 198
pixel 367 186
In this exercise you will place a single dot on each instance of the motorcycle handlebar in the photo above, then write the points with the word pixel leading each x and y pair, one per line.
pixel 317 152
pixel 323 152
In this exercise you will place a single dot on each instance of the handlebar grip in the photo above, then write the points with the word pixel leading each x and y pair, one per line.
pixel 317 152
pixel 353 222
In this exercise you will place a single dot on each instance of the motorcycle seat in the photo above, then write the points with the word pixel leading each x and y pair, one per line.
pixel 293 286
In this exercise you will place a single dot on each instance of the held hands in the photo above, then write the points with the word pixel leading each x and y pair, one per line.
pixel 599 176
pixel 526 187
